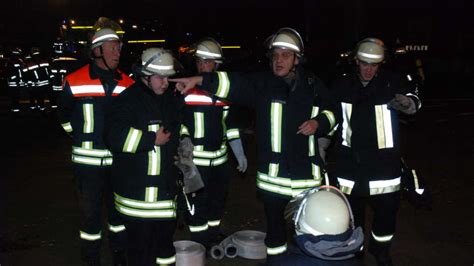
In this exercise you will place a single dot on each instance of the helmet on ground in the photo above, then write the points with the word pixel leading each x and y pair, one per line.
pixel 157 61
pixel 371 50
pixel 323 211
pixel 103 35
pixel 287 38
pixel 209 48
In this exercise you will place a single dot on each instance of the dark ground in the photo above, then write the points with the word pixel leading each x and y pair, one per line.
pixel 39 214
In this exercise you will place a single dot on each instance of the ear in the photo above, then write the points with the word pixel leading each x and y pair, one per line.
pixel 297 60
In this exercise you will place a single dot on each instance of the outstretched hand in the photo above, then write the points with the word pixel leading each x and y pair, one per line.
pixel 185 84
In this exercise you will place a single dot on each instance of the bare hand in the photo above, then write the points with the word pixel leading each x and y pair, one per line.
pixel 308 127
pixel 185 84
pixel 162 136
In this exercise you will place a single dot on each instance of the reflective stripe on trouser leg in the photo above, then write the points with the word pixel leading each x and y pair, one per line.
pixel 275 239
pixel 385 208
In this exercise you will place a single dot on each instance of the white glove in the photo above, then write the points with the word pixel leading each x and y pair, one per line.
pixel 403 104
pixel 238 151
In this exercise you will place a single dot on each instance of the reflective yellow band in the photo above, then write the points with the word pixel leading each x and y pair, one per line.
pixel 285 186
pixel 345 185
pixel 384 186
pixel 199 228
pixel 232 134
pixel 210 154
pixel 116 228
pixel 91 161
pixel 224 85
pixel 346 124
pixel 214 223
pixel 385 238
pixel 316 171
pixel 154 161
pixel 163 204
pixel 183 130
pixel 330 116
pixel 383 122
pixel 311 147
pixel 67 127
pixel 91 152
pixel 90 237
pixel 273 169
pixel 133 138
pixel 198 125
pixel 170 213
pixel 417 185
pixel 275 124
pixel 276 250
pixel 151 194
pixel 88 112
pixel 210 162
pixel 166 261
pixel 87 145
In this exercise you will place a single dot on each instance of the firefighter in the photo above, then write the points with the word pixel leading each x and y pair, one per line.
pixel 60 67
pixel 325 233
pixel 142 131
pixel 210 124
pixel 15 78
pixel 293 109
pixel 87 94
pixel 367 156
pixel 37 73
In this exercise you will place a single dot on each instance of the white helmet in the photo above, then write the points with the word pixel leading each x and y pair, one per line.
pixel 323 211
pixel 157 61
pixel 371 50
pixel 287 38
pixel 209 49
pixel 103 35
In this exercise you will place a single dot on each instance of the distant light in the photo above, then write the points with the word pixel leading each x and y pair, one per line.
pixel 121 21
pixel 409 78
pixel 400 51
pixel 344 54
pixel 230 47
pixel 120 32
pixel 145 41
pixel 73 21
pixel 81 27
pixel 134 26
pixel 64 27
pixel 82 42
pixel 153 30
pixel 188 34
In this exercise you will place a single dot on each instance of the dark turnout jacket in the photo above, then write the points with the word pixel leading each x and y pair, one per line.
pixel 144 175
pixel 288 163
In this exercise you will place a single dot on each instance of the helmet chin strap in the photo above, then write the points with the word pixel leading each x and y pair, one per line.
pixel 103 59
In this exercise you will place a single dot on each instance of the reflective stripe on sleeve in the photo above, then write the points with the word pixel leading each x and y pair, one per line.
pixel 67 127
pixel 116 228
pixel 133 138
pixel 224 85
pixel 345 185
pixel 385 238
pixel 166 261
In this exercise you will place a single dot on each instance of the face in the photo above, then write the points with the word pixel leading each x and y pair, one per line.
pixel 283 61
pixel 111 53
pixel 367 70
pixel 158 84
pixel 205 65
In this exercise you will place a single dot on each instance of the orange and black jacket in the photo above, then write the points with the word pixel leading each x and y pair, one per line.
pixel 83 103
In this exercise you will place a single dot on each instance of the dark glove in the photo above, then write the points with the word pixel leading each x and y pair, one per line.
pixel 403 104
